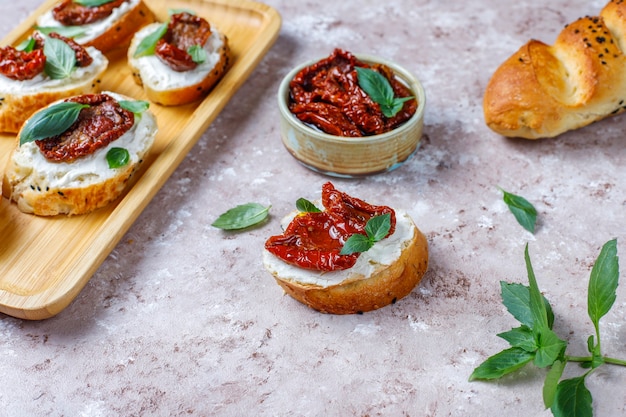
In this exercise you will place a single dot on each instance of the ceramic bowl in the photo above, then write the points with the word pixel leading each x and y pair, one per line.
pixel 339 156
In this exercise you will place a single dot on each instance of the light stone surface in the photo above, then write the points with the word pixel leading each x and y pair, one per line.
pixel 182 319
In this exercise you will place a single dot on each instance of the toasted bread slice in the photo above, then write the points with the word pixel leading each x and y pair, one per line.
pixel 46 188
pixel 381 276
pixel 20 99
pixel 114 31
pixel 171 88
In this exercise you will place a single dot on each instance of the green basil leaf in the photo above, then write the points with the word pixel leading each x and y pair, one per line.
pixel 516 299
pixel 242 216
pixel 67 31
pixel 118 157
pixel 92 3
pixel 27 45
pixel 603 283
pixel 51 121
pixel 198 53
pixel 148 44
pixel 550 347
pixel 572 399
pixel 60 58
pixel 380 91
pixel 503 363
pixel 538 309
pixel 524 212
pixel 356 243
pixel 551 382
pixel 135 106
pixel 378 227
pixel 305 206
pixel 521 337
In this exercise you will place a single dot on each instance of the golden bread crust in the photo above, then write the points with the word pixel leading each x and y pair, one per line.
pixel 384 287
pixel 545 90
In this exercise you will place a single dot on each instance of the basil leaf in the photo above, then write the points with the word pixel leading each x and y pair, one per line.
pixel 67 31
pixel 551 382
pixel 378 227
pixel 92 3
pixel 550 347
pixel 198 53
pixel 242 216
pixel 304 205
pixel 380 91
pixel 51 121
pixel 356 243
pixel 516 299
pixel 60 58
pixel 603 283
pixel 135 106
pixel 572 399
pixel 148 44
pixel 27 45
pixel 538 309
pixel 503 363
pixel 524 212
pixel 521 337
pixel 118 157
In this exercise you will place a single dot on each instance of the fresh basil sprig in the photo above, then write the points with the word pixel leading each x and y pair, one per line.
pixel 305 206
pixel 147 45
pixel 242 216
pixel 379 89
pixel 67 31
pixel 524 212
pixel 135 106
pixel 60 58
pixel 376 229
pixel 92 3
pixel 535 340
pixel 198 53
pixel 117 157
pixel 51 121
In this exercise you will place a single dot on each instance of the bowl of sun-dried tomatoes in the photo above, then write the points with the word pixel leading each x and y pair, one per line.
pixel 351 115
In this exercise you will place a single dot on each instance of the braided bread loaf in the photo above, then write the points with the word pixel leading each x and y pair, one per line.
pixel 542 91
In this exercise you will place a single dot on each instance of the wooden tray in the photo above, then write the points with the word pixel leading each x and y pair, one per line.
pixel 45 262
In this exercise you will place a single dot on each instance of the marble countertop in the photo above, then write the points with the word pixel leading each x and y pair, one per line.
pixel 182 318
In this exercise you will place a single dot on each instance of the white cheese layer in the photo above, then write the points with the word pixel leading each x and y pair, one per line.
pixel 382 254
pixel 90 169
pixel 43 83
pixel 91 30
pixel 159 76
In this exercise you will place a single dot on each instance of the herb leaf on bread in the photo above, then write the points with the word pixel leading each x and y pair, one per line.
pixel 147 45
pixel 376 229
pixel 51 121
pixel 60 58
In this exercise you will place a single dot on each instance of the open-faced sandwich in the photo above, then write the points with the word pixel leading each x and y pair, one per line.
pixel 178 61
pixel 43 69
pixel 77 155
pixel 346 256
pixel 103 24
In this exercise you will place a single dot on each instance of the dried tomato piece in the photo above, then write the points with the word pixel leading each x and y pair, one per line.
pixel 327 95
pixel 69 13
pixel 97 125
pixel 183 31
pixel 21 65
pixel 314 240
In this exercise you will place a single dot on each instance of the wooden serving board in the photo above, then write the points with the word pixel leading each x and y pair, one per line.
pixel 45 262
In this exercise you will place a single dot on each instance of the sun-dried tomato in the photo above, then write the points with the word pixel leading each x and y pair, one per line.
pixel 183 31
pixel 97 125
pixel 69 13
pixel 314 240
pixel 327 95
pixel 21 65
